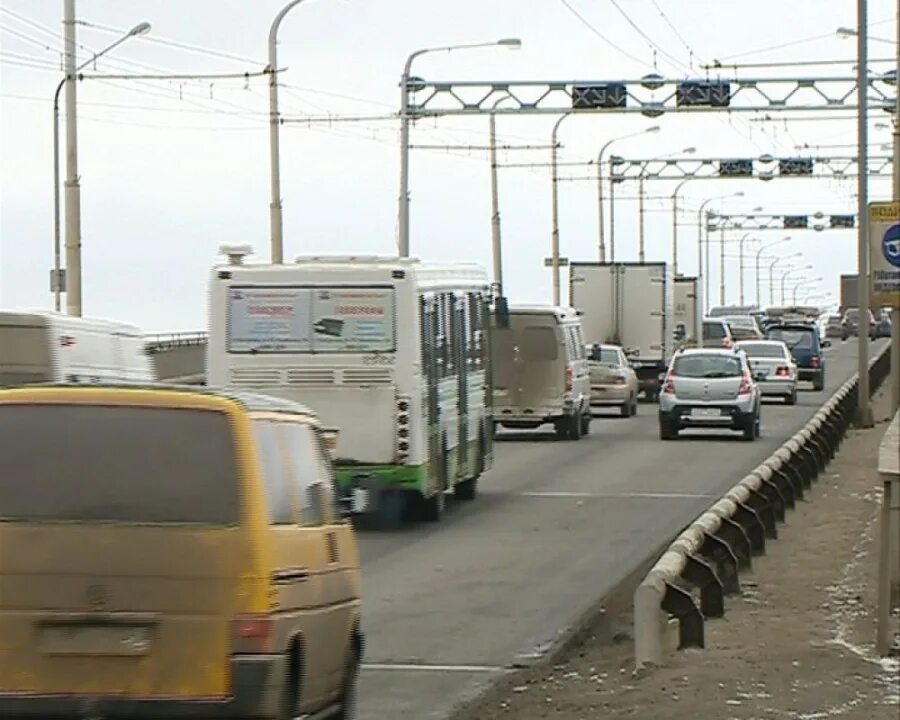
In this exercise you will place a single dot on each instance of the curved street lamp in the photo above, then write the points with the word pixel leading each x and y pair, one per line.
pixel 601 246
pixel 759 253
pixel 403 204
pixel 57 284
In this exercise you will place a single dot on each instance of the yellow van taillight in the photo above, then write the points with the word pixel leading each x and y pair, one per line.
pixel 252 634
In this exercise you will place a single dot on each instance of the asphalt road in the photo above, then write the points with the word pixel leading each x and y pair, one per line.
pixel 556 525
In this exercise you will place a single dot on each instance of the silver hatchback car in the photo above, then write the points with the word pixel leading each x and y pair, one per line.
pixel 709 388
pixel 773 368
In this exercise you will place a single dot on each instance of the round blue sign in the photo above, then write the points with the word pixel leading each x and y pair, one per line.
pixel 890 245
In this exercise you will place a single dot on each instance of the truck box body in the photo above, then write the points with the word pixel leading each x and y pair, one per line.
pixel 627 304
pixel 687 306
pixel 849 292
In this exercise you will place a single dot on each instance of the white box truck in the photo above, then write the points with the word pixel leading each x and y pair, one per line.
pixel 39 347
pixel 628 304
pixel 687 309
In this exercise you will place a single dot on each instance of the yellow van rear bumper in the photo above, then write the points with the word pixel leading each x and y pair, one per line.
pixel 257 682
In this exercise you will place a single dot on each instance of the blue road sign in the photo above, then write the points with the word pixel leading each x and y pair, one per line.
pixel 890 245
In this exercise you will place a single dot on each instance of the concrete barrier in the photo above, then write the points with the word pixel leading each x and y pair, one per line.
pixel 702 566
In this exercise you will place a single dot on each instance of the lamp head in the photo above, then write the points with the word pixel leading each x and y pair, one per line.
pixel 511 43
pixel 140 29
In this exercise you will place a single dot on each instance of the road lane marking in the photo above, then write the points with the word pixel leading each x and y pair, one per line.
pixel 617 496
pixel 434 668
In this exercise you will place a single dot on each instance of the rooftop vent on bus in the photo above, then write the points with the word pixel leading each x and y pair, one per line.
pixel 236 253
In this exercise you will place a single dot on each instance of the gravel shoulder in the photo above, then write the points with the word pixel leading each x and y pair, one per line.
pixel 797 643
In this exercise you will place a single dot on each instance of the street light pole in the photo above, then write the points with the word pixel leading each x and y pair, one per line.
pixel 72 187
pixel 641 240
pixel 758 255
pixel 784 279
pixel 403 200
pixel 554 207
pixel 57 283
pixel 601 245
pixel 612 215
pixel 276 227
pixel 722 267
pixel 864 408
pixel 741 267
pixel 496 245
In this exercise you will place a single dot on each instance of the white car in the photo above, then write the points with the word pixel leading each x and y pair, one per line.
pixel 613 382
pixel 773 368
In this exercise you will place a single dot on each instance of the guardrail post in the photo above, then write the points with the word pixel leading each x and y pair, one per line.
pixel 776 497
pixel 720 552
pixel 760 504
pixel 749 519
pixel 734 534
pixel 679 603
pixel 701 574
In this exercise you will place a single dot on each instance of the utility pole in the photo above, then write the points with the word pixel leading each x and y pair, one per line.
pixel 895 312
pixel 497 248
pixel 276 224
pixel 722 267
pixel 864 407
pixel 641 239
pixel 72 186
pixel 554 208
pixel 612 215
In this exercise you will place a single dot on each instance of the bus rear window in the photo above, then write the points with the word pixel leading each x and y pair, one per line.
pixel 90 463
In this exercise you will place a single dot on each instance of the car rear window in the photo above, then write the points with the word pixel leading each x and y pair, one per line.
pixel 762 350
pixel 799 338
pixel 90 463
pixel 707 366
pixel 713 331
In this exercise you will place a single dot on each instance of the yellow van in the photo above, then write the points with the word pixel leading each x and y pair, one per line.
pixel 171 553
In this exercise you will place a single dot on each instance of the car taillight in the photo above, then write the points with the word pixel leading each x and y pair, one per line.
pixel 252 634
pixel 746 385
pixel 726 343
pixel 669 386
pixel 815 361
pixel 783 371
pixel 568 378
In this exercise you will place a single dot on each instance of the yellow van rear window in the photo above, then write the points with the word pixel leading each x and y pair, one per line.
pixel 90 463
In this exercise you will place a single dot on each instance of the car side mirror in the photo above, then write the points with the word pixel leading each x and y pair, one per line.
pixel 826 343
pixel 757 377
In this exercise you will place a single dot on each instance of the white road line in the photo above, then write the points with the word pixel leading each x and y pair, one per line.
pixel 617 496
pixel 433 668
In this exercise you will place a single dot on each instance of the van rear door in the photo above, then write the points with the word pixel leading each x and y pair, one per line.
pixel 539 367
pixel 121 550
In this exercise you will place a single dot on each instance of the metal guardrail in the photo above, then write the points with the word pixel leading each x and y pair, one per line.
pixel 169 341
pixel 705 561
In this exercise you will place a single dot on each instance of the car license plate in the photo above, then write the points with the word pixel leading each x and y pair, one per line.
pixel 705 412
pixel 96 640
pixel 360 500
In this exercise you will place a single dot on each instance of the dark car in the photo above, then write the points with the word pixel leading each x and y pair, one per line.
pixel 806 348
pixel 850 324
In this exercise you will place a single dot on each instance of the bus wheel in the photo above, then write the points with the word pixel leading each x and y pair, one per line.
pixel 467 489
pixel 391 510
pixel 432 508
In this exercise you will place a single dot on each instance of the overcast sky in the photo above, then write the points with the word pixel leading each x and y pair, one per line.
pixel 170 171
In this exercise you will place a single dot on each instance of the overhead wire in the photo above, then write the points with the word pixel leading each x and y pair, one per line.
pixel 587 23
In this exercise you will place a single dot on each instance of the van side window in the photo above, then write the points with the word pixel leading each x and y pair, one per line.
pixel 330 494
pixel 275 479
pixel 305 465
pixel 579 343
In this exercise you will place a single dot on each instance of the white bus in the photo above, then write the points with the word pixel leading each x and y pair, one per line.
pixel 393 353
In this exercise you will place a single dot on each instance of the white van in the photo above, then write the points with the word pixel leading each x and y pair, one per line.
pixel 540 371
pixel 38 347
